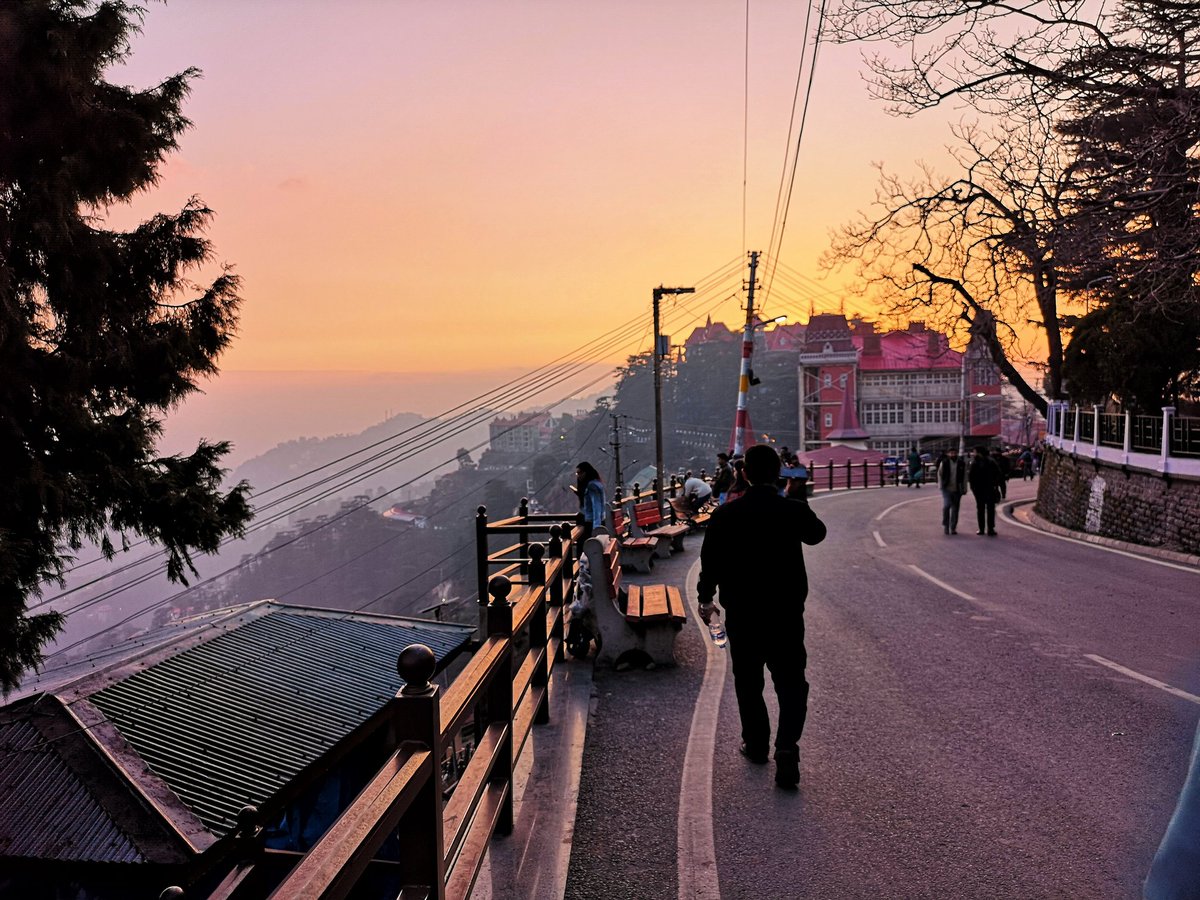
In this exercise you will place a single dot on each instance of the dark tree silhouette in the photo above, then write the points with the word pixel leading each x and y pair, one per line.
pixel 1113 90
pixel 101 331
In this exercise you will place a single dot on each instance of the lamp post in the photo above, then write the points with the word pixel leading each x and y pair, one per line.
pixel 657 353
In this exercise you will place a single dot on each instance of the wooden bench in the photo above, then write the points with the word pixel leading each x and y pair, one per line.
pixel 648 520
pixel 637 551
pixel 684 513
pixel 639 619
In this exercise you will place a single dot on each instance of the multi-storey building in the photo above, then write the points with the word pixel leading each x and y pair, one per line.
pixel 892 391
pixel 522 433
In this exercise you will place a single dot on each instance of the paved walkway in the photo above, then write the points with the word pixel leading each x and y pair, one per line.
pixel 647 830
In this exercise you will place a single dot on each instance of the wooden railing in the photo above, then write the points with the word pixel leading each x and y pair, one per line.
pixel 500 695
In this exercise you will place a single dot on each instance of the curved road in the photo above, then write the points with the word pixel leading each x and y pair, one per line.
pixel 990 717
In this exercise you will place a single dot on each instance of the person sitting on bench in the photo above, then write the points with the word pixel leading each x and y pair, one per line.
pixel 696 493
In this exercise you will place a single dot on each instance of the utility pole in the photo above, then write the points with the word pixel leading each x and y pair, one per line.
pixel 658 353
pixel 615 443
pixel 740 420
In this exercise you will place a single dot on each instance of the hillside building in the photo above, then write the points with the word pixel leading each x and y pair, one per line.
pixel 881 391
pixel 522 433
pixel 892 391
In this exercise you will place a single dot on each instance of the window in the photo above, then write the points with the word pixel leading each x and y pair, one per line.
pixel 883 414
pixel 842 381
pixel 828 380
pixel 828 417
pixel 935 413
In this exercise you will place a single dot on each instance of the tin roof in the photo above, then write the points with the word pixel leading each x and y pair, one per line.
pixel 49 811
pixel 221 716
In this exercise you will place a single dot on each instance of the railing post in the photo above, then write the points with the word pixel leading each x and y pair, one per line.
pixel 849 474
pixel 1075 436
pixel 500 695
pixel 1096 430
pixel 481 567
pixel 1128 435
pixel 417 718
pixel 1167 412
pixel 557 593
pixel 538 634
pixel 523 535
pixel 831 475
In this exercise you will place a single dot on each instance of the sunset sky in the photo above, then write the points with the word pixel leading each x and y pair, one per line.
pixel 479 185
pixel 436 186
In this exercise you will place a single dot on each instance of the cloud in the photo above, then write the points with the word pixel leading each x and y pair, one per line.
pixel 293 184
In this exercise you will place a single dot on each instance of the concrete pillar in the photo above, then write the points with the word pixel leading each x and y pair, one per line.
pixel 1167 412
pixel 1096 431
pixel 1128 436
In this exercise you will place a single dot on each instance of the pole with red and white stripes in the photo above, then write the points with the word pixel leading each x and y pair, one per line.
pixel 741 419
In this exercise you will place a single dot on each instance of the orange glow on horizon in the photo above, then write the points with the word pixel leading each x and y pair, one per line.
pixel 445 187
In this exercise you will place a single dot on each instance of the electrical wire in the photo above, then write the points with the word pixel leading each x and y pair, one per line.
pixel 109 594
pixel 780 223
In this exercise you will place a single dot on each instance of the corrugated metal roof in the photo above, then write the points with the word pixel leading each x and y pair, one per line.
pixel 231 721
pixel 48 812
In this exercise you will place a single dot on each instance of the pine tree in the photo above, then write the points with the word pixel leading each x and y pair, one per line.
pixel 101 331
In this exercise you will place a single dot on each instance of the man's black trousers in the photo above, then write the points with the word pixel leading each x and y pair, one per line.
pixel 780 649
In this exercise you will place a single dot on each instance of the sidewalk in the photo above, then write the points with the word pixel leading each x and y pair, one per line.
pixel 531 863
pixel 1023 511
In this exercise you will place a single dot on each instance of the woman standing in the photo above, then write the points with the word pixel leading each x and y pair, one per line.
pixel 590 489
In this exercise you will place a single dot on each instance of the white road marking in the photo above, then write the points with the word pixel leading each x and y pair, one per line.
pixel 945 587
pixel 697 856
pixel 879 517
pixel 1145 679
pixel 1013 520
pixel 878 539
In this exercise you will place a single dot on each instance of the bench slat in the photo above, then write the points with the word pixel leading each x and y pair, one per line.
pixel 634 609
pixel 654 601
pixel 675 603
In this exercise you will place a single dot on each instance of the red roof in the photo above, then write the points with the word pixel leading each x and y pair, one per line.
pixel 712 331
pixel 912 349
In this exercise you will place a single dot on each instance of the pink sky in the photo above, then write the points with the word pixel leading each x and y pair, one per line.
pixel 466 185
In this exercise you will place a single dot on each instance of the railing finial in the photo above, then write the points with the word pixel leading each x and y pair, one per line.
pixel 499 587
pixel 415 665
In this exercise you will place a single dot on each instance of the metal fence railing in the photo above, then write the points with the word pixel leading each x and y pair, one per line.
pixel 1166 436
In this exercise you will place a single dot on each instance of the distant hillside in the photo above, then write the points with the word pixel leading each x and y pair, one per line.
pixel 381 458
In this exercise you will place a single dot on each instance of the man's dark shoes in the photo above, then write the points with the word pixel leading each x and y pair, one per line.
pixel 756 756
pixel 787 769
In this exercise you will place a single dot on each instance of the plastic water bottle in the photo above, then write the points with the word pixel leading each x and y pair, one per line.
pixel 717 631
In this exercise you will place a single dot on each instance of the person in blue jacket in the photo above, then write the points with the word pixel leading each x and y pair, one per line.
pixel 590 489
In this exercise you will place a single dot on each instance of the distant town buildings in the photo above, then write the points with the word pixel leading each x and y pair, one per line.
pixel 522 433
pixel 882 391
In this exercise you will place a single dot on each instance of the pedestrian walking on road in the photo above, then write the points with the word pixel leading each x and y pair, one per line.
pixel 752 561
pixel 916 468
pixel 984 480
pixel 1026 461
pixel 952 482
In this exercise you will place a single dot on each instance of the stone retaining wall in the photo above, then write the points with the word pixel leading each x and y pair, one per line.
pixel 1124 504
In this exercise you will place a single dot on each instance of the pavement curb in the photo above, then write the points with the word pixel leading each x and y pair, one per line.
pixel 1023 511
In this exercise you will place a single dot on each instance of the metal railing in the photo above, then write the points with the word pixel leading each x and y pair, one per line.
pixel 1167 443
pixel 500 695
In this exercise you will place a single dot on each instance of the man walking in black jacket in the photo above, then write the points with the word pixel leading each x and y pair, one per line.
pixel 984 479
pixel 752 555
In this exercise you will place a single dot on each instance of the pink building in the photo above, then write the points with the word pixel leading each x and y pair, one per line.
pixel 892 391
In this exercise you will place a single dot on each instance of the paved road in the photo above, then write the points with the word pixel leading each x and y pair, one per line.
pixel 990 717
